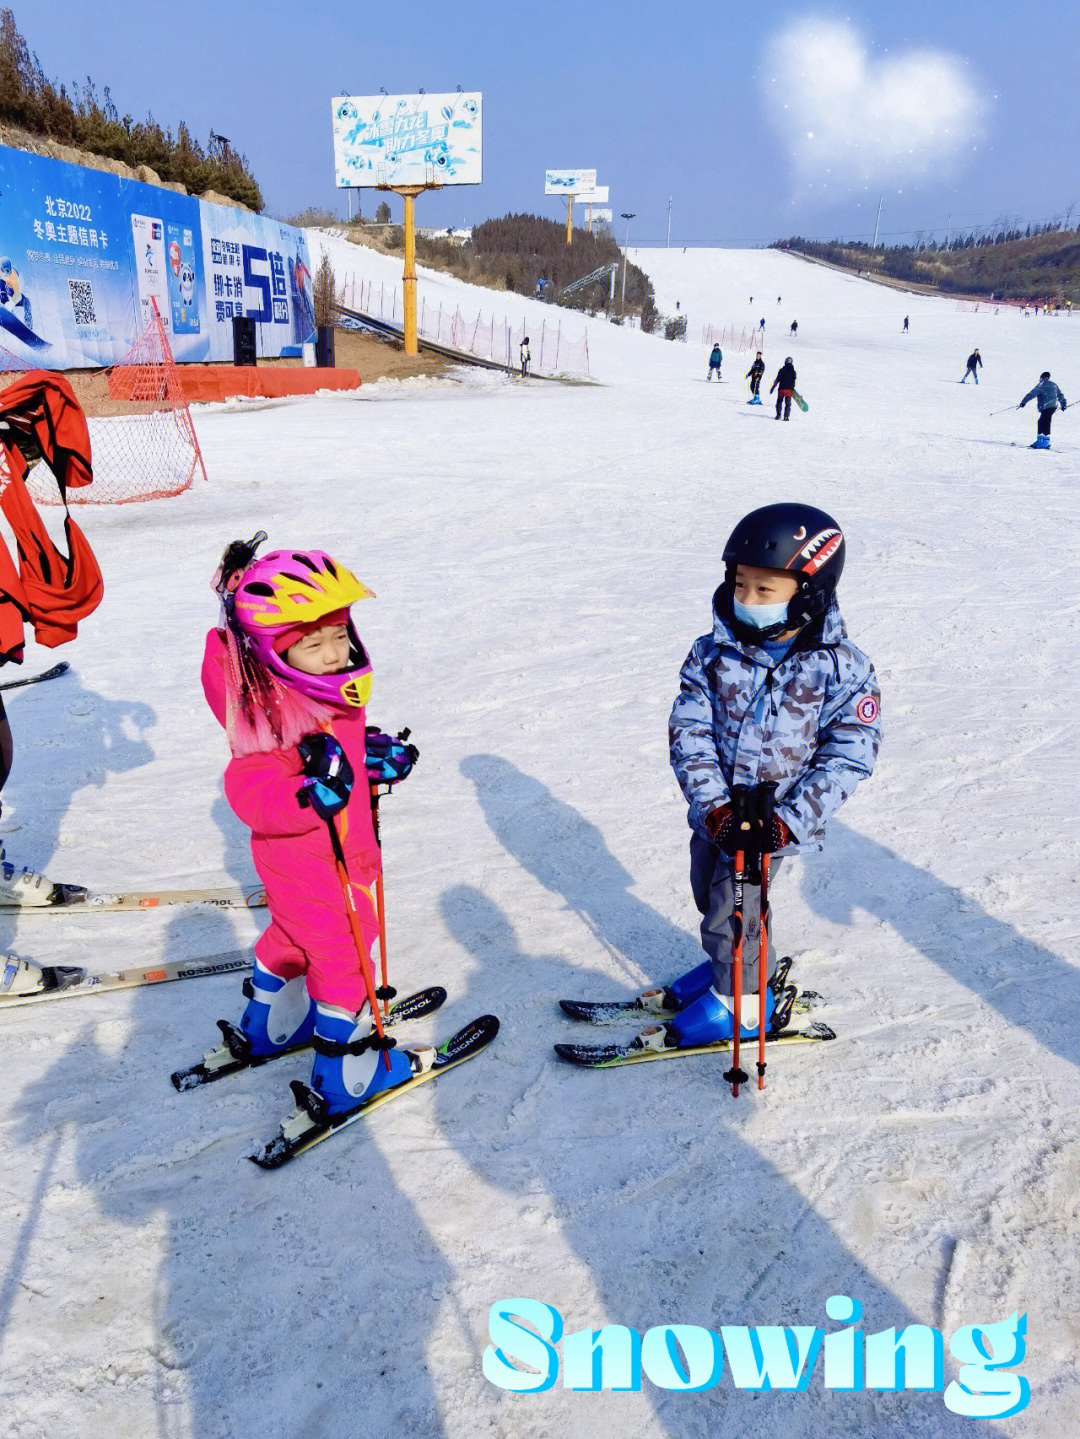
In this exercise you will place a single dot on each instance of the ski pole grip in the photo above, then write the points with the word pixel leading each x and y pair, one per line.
pixel 740 804
pixel 765 797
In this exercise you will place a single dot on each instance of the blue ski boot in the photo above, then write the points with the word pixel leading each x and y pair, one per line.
pixel 689 987
pixel 279 1016
pixel 710 1018
pixel 1042 442
pixel 348 1070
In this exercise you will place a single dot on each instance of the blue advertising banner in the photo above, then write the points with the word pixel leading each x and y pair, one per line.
pixel 83 253
pixel 257 267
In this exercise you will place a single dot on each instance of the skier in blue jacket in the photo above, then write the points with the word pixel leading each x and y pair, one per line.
pixel 1048 397
pixel 776 692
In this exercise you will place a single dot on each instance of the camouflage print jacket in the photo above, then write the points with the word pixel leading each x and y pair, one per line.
pixel 811 723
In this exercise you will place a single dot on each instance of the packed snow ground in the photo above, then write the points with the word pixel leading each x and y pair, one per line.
pixel 543 558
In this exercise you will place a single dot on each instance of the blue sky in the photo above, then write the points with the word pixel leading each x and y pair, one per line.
pixel 758 120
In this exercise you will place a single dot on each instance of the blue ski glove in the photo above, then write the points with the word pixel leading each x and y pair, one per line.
pixel 389 759
pixel 328 775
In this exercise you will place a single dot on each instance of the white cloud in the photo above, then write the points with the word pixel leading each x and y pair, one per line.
pixel 847 116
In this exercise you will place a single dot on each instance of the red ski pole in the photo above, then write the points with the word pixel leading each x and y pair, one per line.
pixel 358 939
pixel 765 807
pixel 735 1075
pixel 763 965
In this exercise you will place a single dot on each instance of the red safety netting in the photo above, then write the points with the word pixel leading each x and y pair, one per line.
pixel 149 449
pixel 733 337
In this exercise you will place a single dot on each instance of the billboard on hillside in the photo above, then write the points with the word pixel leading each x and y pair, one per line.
pixel 407 140
pixel 568 182
pixel 598 195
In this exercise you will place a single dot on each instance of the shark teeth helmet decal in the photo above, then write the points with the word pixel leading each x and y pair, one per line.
pixel 801 539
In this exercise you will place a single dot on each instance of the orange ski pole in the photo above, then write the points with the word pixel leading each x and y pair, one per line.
pixel 384 992
pixel 763 965
pixel 735 1075
pixel 362 952
pixel 765 813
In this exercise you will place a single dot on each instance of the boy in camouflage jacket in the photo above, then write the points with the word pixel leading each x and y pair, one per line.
pixel 776 692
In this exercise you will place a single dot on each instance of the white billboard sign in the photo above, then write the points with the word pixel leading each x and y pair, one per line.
pixel 598 195
pixel 602 217
pixel 407 140
pixel 569 182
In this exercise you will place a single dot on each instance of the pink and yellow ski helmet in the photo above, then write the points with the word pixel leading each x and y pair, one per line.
pixel 284 594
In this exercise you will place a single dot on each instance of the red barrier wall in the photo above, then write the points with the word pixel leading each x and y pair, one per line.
pixel 218 382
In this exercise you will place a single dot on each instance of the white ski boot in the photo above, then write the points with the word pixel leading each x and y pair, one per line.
pixel 23 976
pixel 23 888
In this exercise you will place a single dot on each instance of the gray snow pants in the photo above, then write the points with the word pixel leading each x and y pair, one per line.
pixel 711 880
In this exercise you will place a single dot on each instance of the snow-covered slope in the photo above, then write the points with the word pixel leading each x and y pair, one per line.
pixel 543 558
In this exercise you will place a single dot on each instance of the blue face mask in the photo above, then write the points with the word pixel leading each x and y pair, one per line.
pixel 760 617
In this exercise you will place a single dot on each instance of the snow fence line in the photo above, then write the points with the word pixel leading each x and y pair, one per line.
pixel 498 341
pixel 973 307
pixel 733 337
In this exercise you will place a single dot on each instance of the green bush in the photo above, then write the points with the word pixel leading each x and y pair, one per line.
pixel 521 249
pixel 31 101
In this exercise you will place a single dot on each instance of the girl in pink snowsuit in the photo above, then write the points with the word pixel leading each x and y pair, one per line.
pixel 289 679
pixel 309 930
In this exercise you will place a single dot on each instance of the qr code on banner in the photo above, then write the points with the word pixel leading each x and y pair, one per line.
pixel 82 302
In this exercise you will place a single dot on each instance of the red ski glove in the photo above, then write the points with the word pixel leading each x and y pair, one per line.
pixel 721 827
pixel 720 824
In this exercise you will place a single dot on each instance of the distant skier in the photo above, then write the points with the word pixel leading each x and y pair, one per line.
pixel 905 324
pixel 716 359
pixel 761 324
pixel 776 692
pixel 974 360
pixel 794 327
pixel 754 374
pixel 1047 395
pixel 778 299
pixel 784 385
pixel 526 358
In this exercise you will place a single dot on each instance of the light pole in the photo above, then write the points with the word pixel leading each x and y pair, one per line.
pixel 626 240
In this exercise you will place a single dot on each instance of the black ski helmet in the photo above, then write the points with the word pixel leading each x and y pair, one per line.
pixel 800 539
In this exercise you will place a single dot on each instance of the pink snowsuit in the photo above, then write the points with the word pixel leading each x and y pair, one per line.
pixel 309 928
